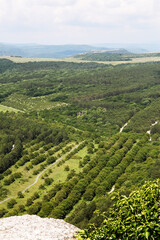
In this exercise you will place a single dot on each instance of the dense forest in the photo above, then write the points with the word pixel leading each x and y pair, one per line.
pixel 105 56
pixel 113 55
pixel 74 136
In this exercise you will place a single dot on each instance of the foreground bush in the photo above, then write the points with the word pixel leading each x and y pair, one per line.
pixel 136 217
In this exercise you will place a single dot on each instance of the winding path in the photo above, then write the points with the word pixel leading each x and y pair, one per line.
pixel 121 129
pixel 149 131
pixel 112 190
pixel 5 200
pixel 38 176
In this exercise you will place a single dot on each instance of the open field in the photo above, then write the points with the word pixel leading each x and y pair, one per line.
pixel 24 60
pixel 76 60
pixel 114 63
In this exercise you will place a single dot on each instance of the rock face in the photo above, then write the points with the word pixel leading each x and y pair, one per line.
pixel 32 227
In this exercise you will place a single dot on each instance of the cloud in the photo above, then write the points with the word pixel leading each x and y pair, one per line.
pixel 57 17
pixel 54 3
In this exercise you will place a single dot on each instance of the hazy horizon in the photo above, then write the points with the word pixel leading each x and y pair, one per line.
pixel 91 22
pixel 89 44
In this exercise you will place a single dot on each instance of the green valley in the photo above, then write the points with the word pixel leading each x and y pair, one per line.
pixel 76 136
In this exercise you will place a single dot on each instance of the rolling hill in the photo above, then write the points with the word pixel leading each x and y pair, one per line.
pixel 44 51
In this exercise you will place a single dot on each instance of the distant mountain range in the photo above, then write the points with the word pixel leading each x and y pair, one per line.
pixel 45 51
pixel 62 51
pixel 134 47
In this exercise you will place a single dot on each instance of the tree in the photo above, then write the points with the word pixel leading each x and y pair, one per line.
pixel 45 209
pixel 90 150
pixel 35 208
pixel 133 217
pixel 51 159
pixel 89 194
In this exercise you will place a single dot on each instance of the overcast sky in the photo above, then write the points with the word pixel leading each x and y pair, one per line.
pixel 79 21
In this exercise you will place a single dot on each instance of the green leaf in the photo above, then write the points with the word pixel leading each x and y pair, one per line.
pixel 147 235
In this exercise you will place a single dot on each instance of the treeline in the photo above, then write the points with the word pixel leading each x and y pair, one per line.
pixel 6 64
pixel 104 56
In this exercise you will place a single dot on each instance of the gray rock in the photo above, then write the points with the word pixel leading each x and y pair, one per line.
pixel 32 227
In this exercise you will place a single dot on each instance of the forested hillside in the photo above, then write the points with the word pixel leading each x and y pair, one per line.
pixel 119 55
pixel 74 135
pixel 113 55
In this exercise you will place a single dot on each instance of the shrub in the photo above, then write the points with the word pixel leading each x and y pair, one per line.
pixel 35 172
pixel 11 203
pixel 21 208
pixel 42 187
pixel 29 202
pixel 48 181
pixel 133 217
pixel 35 196
pixel 20 194
pixel 3 211
pixel 66 168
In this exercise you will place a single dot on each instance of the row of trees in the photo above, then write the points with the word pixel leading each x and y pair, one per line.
pixel 16 131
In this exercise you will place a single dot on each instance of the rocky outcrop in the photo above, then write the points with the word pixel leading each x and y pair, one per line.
pixel 32 227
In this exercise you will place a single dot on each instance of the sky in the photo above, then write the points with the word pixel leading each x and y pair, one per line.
pixel 79 21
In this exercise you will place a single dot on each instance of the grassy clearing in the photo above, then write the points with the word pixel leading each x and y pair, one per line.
pixel 82 152
pixel 58 171
pixel 9 109
pixel 25 59
pixel 59 174
pixel 26 103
